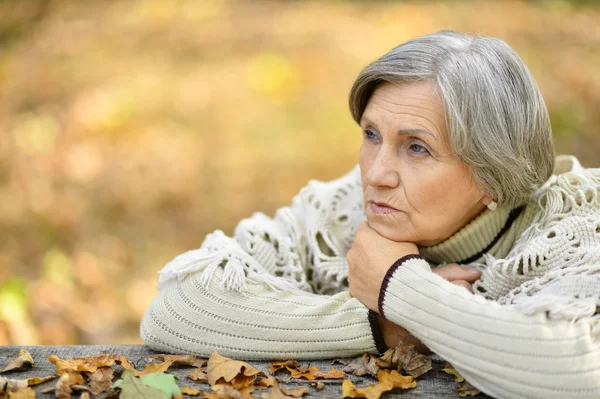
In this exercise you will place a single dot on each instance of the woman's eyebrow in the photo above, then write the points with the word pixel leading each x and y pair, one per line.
pixel 400 131
pixel 413 131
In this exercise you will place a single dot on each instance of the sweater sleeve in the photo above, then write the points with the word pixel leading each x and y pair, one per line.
pixel 261 294
pixel 498 348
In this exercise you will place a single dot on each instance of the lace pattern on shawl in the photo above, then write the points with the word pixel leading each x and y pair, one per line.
pixel 555 265
pixel 302 247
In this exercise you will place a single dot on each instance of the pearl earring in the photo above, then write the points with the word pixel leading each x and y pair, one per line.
pixel 492 206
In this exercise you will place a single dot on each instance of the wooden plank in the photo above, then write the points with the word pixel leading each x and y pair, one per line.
pixel 434 385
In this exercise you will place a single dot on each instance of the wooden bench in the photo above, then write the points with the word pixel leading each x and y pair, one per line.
pixel 436 384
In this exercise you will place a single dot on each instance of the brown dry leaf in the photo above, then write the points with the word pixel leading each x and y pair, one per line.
pixel 190 391
pixel 37 380
pixel 12 384
pixel 25 393
pixel 153 368
pixel 65 383
pixel 85 395
pixel 360 366
pixel 405 357
pixel 466 389
pixel 313 373
pixel 387 380
pixel 199 376
pixel 232 392
pixel 276 366
pixel 295 393
pixel 182 360
pixel 281 392
pixel 317 385
pixel 266 382
pixel 101 380
pixel 23 360
pixel 448 369
pixel 237 373
pixel 388 360
pixel 88 364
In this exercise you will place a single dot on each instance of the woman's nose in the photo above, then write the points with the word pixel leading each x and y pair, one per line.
pixel 382 171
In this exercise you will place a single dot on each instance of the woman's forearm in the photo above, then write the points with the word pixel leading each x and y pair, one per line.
pixel 259 323
pixel 499 349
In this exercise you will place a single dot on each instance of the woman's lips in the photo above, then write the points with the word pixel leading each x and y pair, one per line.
pixel 381 208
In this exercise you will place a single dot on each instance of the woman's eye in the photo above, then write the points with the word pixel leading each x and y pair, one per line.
pixel 370 135
pixel 419 149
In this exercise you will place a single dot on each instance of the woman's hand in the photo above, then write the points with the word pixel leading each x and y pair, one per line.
pixel 369 259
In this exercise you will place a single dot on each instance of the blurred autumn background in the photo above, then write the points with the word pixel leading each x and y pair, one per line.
pixel 130 129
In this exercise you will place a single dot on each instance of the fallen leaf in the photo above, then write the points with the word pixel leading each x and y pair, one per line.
pixel 183 360
pixel 313 373
pixel 237 373
pixel 85 395
pixel 23 360
pixel 132 388
pixel 65 383
pixel 88 364
pixel 266 381
pixel 448 369
pixel 101 380
pixel 199 376
pixel 164 382
pixel 276 366
pixel 387 380
pixel 12 384
pixel 361 365
pixel 395 379
pixel 233 393
pixel 280 392
pixel 317 385
pixel 25 393
pixel 388 360
pixel 409 359
pixel 153 368
pixel 466 389
pixel 37 380
pixel 295 393
pixel 190 391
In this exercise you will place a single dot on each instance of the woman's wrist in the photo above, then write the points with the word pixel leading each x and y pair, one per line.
pixel 392 334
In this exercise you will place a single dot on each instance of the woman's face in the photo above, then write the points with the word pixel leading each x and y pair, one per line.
pixel 415 188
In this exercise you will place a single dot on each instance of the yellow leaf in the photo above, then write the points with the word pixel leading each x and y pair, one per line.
pixel 313 373
pixel 88 364
pixel 276 366
pixel 184 360
pixel 387 380
pixel 237 373
pixel 190 391
pixel 448 369
pixel 22 360
pixel 25 393
pixel 65 384
pixel 199 376
pixel 153 368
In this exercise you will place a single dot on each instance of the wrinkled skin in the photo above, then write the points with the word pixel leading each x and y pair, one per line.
pixel 416 191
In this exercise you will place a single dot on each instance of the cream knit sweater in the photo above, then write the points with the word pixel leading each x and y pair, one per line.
pixel 278 289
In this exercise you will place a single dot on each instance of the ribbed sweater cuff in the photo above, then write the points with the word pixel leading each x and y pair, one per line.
pixel 388 276
pixel 376 331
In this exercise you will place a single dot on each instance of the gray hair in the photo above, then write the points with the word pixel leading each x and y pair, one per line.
pixel 497 120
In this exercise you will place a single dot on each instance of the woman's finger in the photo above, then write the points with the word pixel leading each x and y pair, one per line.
pixel 463 283
pixel 453 271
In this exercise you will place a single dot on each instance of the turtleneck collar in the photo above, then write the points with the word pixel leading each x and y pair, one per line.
pixel 486 234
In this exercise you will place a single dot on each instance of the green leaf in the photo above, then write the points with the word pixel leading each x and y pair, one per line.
pixel 162 381
pixel 132 388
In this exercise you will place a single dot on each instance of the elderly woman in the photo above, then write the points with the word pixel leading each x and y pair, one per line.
pixel 457 191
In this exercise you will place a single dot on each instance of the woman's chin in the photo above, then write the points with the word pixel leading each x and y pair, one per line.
pixel 393 233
